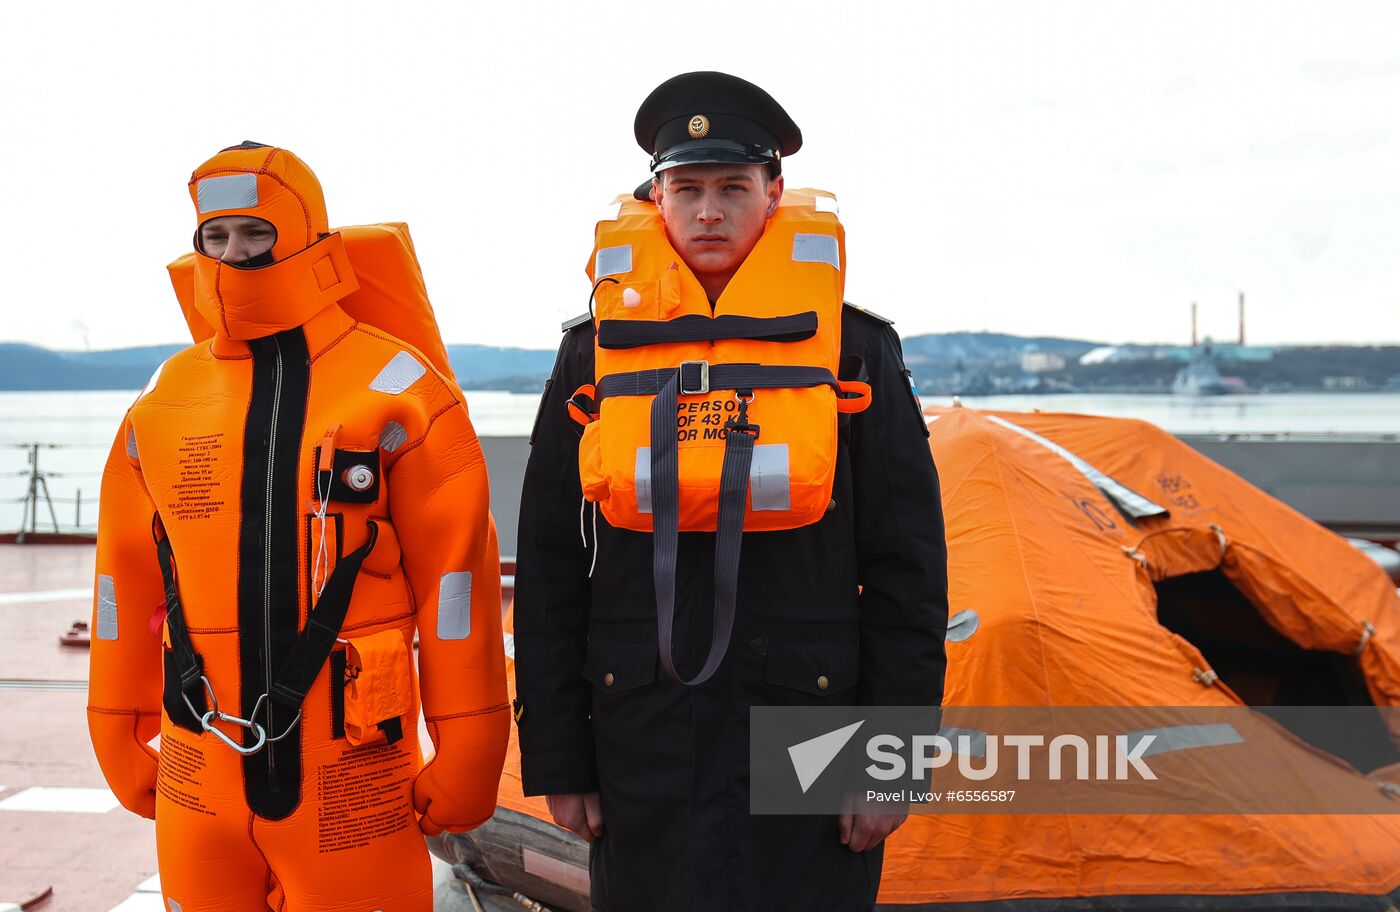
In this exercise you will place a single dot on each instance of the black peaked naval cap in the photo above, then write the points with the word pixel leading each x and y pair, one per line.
pixel 708 117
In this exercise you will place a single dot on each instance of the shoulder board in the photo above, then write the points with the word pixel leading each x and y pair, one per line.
pixel 868 313
pixel 581 319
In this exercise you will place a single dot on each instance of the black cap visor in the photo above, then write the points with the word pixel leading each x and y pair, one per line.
pixel 713 152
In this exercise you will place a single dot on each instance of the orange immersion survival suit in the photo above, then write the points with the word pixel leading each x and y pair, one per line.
pixel 298 494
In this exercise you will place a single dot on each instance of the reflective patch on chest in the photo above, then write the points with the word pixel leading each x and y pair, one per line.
pixel 816 248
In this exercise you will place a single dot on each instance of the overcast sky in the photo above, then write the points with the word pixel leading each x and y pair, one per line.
pixel 1074 169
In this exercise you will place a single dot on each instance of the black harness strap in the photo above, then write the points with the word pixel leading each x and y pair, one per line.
pixel 620 334
pixel 691 381
pixel 188 663
pixel 313 645
pixel 317 638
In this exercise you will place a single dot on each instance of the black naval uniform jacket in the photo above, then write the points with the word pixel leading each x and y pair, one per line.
pixel 596 713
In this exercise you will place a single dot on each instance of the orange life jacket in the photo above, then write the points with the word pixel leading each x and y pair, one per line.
pixel 714 420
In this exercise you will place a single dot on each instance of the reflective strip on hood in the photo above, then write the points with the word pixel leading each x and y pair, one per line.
pixel 230 191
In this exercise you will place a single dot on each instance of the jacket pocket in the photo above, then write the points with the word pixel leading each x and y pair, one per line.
pixel 616 667
pixel 819 669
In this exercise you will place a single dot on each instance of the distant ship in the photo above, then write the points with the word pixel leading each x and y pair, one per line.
pixel 1200 377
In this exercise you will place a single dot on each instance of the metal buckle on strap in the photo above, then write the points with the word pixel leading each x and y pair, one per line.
pixel 698 382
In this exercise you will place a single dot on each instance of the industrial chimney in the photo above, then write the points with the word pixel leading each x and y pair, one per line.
pixel 1241 319
pixel 1193 324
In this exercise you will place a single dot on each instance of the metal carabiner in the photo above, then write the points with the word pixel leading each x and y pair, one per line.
pixel 244 723
pixel 214 713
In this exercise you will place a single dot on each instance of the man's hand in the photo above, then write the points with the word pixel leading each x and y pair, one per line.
pixel 581 815
pixel 862 829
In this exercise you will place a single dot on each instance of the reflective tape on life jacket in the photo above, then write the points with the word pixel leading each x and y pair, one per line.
pixel 688 396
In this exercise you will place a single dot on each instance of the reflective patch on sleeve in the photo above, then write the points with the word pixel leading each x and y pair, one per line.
pixel 643 476
pixel 612 261
pixel 816 248
pixel 231 191
pixel 402 371
pixel 962 625
pixel 508 640
pixel 826 204
pixel 106 607
pixel 174 906
pixel 131 444
pixel 455 606
pixel 769 484
pixel 392 437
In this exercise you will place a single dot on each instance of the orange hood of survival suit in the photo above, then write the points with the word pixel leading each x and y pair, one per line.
pixel 311 270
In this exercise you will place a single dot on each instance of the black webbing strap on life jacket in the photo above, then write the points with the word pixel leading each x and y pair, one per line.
pixel 667 384
pixel 621 334
pixel 699 377
pixel 311 649
pixel 729 527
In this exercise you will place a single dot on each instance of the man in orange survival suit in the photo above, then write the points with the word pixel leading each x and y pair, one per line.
pixel 299 493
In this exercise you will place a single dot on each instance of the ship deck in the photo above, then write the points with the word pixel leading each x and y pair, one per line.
pixel 64 834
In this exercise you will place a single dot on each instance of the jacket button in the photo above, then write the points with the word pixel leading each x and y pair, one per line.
pixel 831 505
pixel 822 683
pixel 608 679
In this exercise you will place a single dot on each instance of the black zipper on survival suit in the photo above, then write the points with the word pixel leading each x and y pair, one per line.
pixel 269 558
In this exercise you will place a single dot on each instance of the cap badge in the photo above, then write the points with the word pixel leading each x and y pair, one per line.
pixel 699 126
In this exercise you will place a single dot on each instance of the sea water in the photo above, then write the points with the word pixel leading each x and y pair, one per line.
pixel 75 430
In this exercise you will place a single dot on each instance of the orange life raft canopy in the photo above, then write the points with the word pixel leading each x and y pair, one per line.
pixel 391 295
pixel 1058 600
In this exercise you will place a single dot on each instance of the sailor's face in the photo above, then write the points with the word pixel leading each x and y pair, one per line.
pixel 236 238
pixel 714 215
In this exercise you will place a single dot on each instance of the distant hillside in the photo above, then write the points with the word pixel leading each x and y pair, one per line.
pixel 31 368
pixel 986 346
pixel 28 367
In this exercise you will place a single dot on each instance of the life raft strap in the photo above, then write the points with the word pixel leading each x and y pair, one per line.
pixel 623 334
pixel 313 644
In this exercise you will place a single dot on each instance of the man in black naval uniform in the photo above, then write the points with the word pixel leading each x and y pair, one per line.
pixel 849 610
